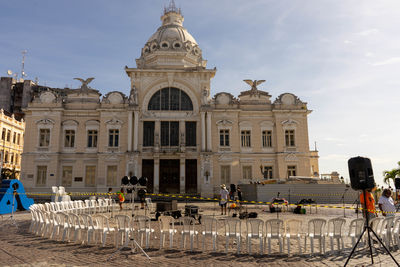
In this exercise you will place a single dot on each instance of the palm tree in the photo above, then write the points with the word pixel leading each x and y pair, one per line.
pixel 391 175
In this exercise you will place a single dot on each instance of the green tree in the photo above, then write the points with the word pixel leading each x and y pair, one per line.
pixel 391 175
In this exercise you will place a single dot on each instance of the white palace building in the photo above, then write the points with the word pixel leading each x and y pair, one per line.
pixel 168 129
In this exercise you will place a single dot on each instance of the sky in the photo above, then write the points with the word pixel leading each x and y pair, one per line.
pixel 342 57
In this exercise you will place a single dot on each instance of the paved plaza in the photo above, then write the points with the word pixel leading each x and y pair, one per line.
pixel 18 247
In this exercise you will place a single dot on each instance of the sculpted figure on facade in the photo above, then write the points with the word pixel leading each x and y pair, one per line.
pixel 133 98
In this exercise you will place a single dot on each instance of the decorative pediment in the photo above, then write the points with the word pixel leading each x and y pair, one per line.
pixel 92 123
pixel 266 124
pixel 289 122
pixel 47 97
pixel 224 122
pixel 224 98
pixel 111 157
pixel 114 98
pixel 114 121
pixel 45 121
pixel 245 124
pixel 291 157
pixel 42 157
pixel 70 123
pixel 288 99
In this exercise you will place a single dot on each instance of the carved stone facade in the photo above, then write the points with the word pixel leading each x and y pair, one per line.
pixel 168 129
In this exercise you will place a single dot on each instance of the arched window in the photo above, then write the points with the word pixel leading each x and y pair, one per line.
pixel 170 99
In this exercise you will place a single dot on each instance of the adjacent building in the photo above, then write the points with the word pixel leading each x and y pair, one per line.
pixel 168 129
pixel 11 145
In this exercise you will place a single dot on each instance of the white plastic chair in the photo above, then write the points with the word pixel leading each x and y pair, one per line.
pixel 58 224
pixel 336 231
pixel 292 230
pixel 103 228
pixel 233 228
pixel 316 231
pixel 88 227
pixel 149 205
pixel 355 229
pixel 76 227
pixel 34 219
pixel 274 229
pixel 255 229
pixel 386 228
pixel 188 230
pixel 123 229
pixel 396 231
pixel 209 228
pixel 167 227
pixel 144 229
pixel 41 222
pixel 49 221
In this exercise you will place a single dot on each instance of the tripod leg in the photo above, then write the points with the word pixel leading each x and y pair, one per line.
pixel 355 246
pixel 369 244
pixel 383 245
pixel 137 245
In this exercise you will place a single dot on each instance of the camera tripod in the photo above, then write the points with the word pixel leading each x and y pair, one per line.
pixel 134 245
pixel 11 218
pixel 368 229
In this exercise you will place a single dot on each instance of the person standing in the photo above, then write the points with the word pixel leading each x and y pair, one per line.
pixel 386 203
pixel 224 194
pixel 369 204
pixel 121 197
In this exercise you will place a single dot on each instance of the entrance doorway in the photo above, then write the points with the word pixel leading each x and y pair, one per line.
pixel 191 176
pixel 148 171
pixel 169 175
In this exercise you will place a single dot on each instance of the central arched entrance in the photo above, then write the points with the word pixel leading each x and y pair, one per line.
pixel 169 175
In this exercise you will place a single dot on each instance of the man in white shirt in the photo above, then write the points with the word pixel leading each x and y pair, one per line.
pixel 386 203
pixel 224 198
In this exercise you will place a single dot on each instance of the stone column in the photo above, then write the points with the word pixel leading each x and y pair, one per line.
pixel 203 131
pixel 156 175
pixel 136 131
pixel 209 141
pixel 182 176
pixel 157 134
pixel 130 114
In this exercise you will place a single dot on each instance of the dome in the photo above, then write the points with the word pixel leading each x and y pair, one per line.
pixel 171 44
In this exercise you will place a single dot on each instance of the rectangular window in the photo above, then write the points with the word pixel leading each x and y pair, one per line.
pixel 224 137
pixel 190 135
pixel 113 137
pixel 289 138
pixel 66 179
pixel 16 159
pixel 69 140
pixel 267 138
pixel 148 133
pixel 8 135
pixel 6 157
pixel 92 138
pixel 245 139
pixel 41 174
pixel 90 176
pixel 3 134
pixel 247 172
pixel 14 137
pixel 111 175
pixel 18 139
pixel 267 172
pixel 226 175
pixel 169 133
pixel 12 158
pixel 291 171
pixel 44 138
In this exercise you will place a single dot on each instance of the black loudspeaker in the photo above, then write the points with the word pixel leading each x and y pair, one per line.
pixel 143 181
pixel 233 188
pixel 361 174
pixel 397 183
pixel 134 180
pixel 125 180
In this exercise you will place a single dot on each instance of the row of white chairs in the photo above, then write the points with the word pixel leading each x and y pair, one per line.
pixel 89 206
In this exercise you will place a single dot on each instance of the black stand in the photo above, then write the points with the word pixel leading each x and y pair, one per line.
pixel 369 229
pixel 11 218
pixel 344 209
pixel 132 247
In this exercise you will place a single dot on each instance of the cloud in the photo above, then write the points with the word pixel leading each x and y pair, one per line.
pixel 392 60
pixel 368 32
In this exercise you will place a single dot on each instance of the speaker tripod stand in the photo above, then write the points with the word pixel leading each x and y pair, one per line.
pixel 11 218
pixel 369 230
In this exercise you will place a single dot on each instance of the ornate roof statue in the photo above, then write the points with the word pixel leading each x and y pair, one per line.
pixel 85 83
pixel 254 84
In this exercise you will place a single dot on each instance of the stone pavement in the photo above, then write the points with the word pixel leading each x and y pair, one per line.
pixel 18 247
